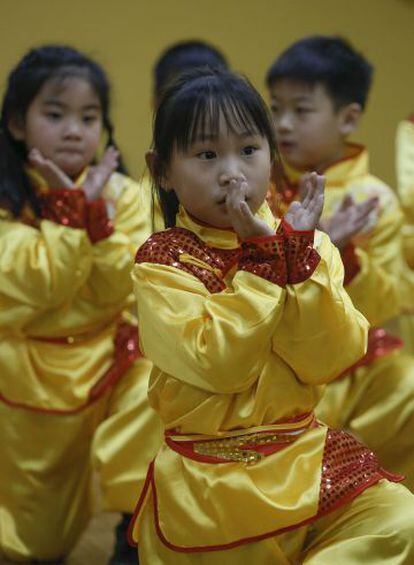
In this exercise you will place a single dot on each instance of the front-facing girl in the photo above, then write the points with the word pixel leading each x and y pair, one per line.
pixel 243 324
pixel 70 369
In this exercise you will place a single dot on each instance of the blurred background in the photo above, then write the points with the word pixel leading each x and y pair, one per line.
pixel 126 36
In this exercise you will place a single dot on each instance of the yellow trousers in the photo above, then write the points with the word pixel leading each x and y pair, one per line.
pixel 376 404
pixel 376 527
pixel 46 468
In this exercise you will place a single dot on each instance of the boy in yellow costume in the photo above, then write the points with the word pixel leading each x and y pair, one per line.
pixel 72 378
pixel 244 322
pixel 318 89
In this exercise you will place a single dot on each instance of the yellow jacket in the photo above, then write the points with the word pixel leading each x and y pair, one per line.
pixel 62 296
pixel 238 348
pixel 405 183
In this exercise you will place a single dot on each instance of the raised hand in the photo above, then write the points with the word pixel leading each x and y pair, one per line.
pixel 305 215
pixel 98 175
pixel 244 223
pixel 349 220
pixel 53 175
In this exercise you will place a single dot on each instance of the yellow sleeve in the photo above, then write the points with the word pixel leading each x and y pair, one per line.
pixel 405 183
pixel 42 267
pixel 320 333
pixel 110 279
pixel 375 290
pixel 219 342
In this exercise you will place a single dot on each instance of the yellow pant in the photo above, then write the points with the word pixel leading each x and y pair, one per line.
pixel 46 469
pixel 376 404
pixel 377 527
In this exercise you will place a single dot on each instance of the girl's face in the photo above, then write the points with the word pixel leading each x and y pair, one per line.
pixel 64 122
pixel 201 175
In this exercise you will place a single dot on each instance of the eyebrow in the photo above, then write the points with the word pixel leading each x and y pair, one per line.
pixel 56 102
pixel 213 137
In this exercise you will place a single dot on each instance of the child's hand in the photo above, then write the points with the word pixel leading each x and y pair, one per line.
pixel 98 176
pixel 244 223
pixel 348 220
pixel 305 215
pixel 53 175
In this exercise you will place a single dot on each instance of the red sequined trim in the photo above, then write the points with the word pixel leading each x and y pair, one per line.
pixel 348 468
pixel 182 249
pixel 351 263
pixel 380 343
pixel 265 257
pixel 64 206
pixel 99 226
pixel 301 257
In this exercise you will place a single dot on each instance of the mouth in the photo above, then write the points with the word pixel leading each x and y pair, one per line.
pixel 286 146
pixel 223 200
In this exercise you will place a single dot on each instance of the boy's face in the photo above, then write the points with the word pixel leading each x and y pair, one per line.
pixel 309 131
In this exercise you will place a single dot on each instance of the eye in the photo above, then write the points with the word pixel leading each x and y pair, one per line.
pixel 91 119
pixel 274 108
pixel 303 110
pixel 53 116
pixel 249 150
pixel 206 155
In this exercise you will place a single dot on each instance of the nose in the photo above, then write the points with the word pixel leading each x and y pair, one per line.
pixel 73 129
pixel 283 122
pixel 230 170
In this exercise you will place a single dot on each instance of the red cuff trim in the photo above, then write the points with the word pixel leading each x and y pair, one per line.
pixel 65 206
pixel 99 226
pixel 351 263
pixel 411 118
pixel 288 229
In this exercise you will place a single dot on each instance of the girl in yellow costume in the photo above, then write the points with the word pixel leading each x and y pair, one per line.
pixel 70 367
pixel 244 324
pixel 318 89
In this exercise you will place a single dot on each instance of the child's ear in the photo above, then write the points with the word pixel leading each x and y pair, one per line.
pixel 349 117
pixel 151 159
pixel 16 128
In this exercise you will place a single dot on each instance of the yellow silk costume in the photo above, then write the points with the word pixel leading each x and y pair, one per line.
pixel 237 356
pixel 375 400
pixel 405 186
pixel 64 301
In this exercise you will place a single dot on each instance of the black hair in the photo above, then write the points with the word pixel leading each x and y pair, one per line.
pixel 329 61
pixel 184 56
pixel 192 106
pixel 49 62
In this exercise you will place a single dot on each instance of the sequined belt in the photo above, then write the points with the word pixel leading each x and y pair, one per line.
pixel 247 446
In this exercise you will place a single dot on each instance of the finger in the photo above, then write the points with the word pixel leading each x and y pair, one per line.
pixel 52 174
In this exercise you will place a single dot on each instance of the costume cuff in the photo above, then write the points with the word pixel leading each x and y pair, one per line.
pixel 301 257
pixel 99 225
pixel 64 206
pixel 265 257
pixel 351 263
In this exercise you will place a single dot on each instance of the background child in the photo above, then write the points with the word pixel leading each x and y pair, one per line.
pixel 405 187
pixel 69 356
pixel 318 90
pixel 243 324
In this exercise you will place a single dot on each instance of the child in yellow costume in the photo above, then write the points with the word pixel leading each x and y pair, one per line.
pixel 318 90
pixel 244 323
pixel 70 366
pixel 405 186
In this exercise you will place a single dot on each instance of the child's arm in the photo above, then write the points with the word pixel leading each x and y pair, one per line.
pixel 219 341
pixel 42 267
